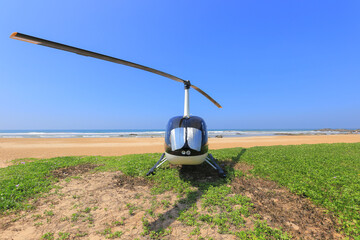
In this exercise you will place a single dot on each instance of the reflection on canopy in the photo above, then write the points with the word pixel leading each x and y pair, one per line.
pixel 178 138
pixel 194 138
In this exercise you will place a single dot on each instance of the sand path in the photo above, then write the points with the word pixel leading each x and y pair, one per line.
pixel 14 148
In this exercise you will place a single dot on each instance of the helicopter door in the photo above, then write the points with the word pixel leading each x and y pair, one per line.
pixel 178 138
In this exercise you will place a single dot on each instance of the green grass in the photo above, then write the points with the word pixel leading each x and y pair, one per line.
pixel 328 174
pixel 48 236
pixel 19 182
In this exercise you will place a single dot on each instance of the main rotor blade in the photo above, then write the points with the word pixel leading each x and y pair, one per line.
pixel 206 95
pixel 47 43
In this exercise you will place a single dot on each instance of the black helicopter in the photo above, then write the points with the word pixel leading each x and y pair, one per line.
pixel 186 137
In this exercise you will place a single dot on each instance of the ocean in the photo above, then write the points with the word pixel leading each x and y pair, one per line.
pixel 143 133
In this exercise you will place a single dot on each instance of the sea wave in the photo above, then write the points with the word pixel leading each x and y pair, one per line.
pixel 153 133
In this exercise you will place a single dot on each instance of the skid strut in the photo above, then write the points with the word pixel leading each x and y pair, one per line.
pixel 158 164
pixel 211 161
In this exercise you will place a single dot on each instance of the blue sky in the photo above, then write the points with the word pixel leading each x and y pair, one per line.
pixel 270 64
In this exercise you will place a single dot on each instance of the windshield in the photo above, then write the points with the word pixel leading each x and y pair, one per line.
pixel 178 138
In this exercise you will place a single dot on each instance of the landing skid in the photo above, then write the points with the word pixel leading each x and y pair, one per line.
pixel 158 164
pixel 209 160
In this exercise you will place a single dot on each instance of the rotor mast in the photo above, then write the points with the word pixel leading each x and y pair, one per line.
pixel 186 100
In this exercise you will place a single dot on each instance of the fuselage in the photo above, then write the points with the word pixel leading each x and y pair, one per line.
pixel 186 140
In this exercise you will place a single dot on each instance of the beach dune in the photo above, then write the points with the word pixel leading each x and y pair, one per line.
pixel 15 148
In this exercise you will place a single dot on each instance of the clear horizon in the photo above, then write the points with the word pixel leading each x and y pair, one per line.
pixel 163 129
pixel 271 65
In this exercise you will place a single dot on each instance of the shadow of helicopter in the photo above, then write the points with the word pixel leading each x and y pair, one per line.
pixel 201 177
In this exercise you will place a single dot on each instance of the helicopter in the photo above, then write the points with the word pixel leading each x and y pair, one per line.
pixel 186 137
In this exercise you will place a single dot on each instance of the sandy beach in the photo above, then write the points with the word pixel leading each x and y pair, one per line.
pixel 15 148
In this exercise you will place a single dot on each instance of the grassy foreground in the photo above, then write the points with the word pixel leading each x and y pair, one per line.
pixel 328 174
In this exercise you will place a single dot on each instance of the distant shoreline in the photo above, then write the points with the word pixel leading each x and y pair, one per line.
pixel 325 131
pixel 148 133
pixel 15 148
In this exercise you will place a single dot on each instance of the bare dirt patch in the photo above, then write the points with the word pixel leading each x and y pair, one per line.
pixel 73 170
pixel 96 205
pixel 281 208
pixel 129 182
pixel 88 207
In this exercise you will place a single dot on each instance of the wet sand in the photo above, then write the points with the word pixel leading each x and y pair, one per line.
pixel 15 148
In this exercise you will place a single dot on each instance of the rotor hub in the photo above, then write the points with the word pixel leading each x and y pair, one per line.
pixel 187 84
